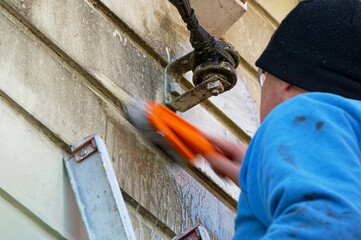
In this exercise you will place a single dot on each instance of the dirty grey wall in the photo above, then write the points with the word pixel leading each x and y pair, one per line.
pixel 51 97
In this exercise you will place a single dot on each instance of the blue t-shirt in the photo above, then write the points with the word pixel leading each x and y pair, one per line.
pixel 301 176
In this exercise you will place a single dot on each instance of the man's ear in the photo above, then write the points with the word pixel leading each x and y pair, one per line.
pixel 286 91
pixel 290 91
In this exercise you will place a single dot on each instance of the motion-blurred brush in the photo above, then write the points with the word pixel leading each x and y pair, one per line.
pixel 175 136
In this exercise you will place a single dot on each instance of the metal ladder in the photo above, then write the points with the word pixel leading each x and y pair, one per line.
pixel 97 192
pixel 99 198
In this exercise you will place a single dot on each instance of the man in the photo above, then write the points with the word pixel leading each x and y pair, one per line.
pixel 301 175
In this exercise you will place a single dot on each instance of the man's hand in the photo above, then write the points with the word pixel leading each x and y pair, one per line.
pixel 230 165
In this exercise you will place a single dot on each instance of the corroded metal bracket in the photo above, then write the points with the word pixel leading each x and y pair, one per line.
pixel 86 149
pixel 211 79
pixel 195 232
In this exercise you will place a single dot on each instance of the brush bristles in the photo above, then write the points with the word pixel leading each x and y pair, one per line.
pixel 137 113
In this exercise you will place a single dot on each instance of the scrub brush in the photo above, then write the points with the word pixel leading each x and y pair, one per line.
pixel 175 136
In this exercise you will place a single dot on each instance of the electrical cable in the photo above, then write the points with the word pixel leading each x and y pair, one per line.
pixel 200 39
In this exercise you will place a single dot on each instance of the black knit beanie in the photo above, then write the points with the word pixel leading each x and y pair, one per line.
pixel 318 47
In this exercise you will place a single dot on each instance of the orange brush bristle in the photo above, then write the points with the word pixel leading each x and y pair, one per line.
pixel 186 139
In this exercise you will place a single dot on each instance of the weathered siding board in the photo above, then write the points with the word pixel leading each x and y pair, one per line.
pixel 35 176
pixel 15 225
pixel 61 91
pixel 96 43
pixel 145 229
pixel 31 171
pixel 88 123
pixel 151 177
pixel 250 35
pixel 93 42
pixel 278 9
pixel 158 23
pixel 33 78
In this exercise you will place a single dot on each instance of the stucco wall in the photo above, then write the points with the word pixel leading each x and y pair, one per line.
pixel 51 98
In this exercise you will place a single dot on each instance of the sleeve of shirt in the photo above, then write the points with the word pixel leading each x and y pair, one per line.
pixel 308 173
